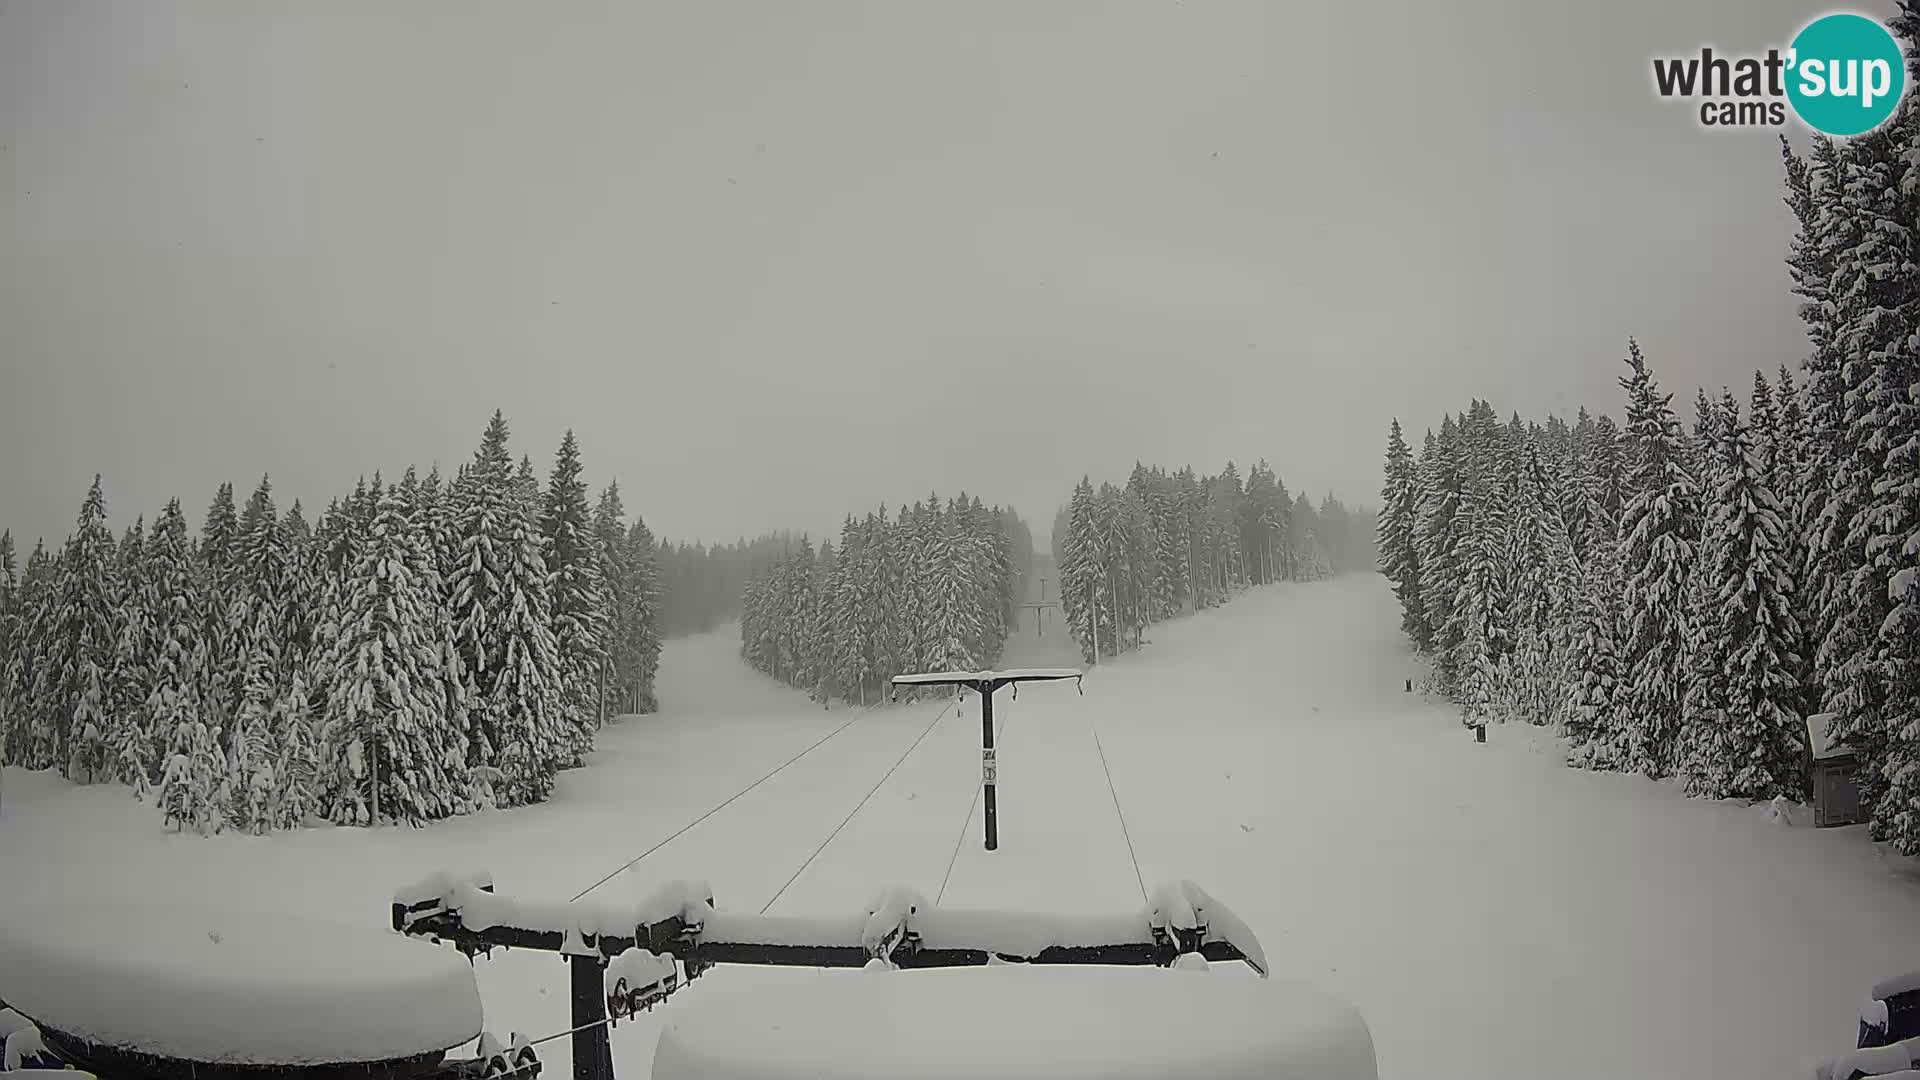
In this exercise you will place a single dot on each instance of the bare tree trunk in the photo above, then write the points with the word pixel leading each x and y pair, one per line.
pixel 376 782
pixel 1093 623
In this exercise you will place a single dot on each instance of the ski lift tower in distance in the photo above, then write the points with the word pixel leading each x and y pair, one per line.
pixel 985 683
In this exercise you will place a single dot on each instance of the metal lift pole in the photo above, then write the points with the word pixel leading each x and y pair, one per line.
pixel 592 1052
pixel 986 683
pixel 988 767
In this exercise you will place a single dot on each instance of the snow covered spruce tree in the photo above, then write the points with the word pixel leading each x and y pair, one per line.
pixel 1439 529
pixel 1878 301
pixel 1610 466
pixel 1399 556
pixel 1754 745
pixel 333 552
pixel 130 751
pixel 9 634
pixel 1703 696
pixel 503 625
pixel 629 564
pixel 259 630
pixel 1896 814
pixel 641 613
pixel 1660 529
pixel 1864 195
pixel 221 671
pixel 1083 587
pixel 1482 624
pixel 580 600
pixel 1540 564
pixel 1595 721
pixel 1846 601
pixel 193 787
pixel 69 703
pixel 32 614
pixel 387 748
pixel 160 638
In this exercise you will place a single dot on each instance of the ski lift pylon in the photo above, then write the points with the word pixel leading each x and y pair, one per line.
pixel 986 683
pixel 629 951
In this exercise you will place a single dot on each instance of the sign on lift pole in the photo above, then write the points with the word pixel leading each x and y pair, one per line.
pixel 985 683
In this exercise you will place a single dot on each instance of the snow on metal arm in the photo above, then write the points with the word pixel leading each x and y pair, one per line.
pixel 997 678
pixel 898 927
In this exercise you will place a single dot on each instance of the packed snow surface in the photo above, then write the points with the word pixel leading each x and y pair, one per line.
pixel 1483 907
pixel 1872 1061
pixel 231 986
pixel 21 1046
pixel 1897 984
pixel 1014 1023
pixel 10 1022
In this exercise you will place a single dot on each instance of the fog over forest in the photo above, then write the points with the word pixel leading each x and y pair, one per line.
pixel 764 292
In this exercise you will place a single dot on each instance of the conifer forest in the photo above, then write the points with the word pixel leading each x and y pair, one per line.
pixel 1168 543
pixel 504 517
pixel 932 589
pixel 430 646
pixel 425 647
pixel 1679 596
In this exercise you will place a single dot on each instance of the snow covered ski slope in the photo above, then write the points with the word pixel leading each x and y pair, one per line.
pixel 1487 910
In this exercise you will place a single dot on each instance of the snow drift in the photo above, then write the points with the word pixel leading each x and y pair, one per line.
pixel 233 987
pixel 1013 1022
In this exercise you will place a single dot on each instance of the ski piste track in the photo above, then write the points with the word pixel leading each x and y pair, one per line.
pixel 954 707
pixel 951 711
pixel 1484 907
pixel 950 756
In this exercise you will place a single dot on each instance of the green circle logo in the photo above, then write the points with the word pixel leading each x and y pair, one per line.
pixel 1847 74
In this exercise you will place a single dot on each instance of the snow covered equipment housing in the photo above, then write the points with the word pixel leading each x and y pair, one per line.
pixel 1892 1014
pixel 985 683
pixel 1889 1041
pixel 1010 1023
pixel 145 991
pixel 1836 799
pixel 627 958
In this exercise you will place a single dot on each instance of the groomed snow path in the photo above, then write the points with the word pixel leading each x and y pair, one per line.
pixel 1491 913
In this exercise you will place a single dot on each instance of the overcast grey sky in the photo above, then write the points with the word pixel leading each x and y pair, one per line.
pixel 777 261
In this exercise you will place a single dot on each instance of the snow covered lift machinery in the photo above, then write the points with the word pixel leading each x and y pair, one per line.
pixel 986 683
pixel 626 959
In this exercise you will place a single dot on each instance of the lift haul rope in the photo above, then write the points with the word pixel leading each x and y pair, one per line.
pixel 730 800
pixel 1137 876
pixel 941 715
pixel 952 859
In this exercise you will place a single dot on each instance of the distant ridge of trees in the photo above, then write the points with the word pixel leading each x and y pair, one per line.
pixel 1164 543
pixel 934 588
pixel 701 584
